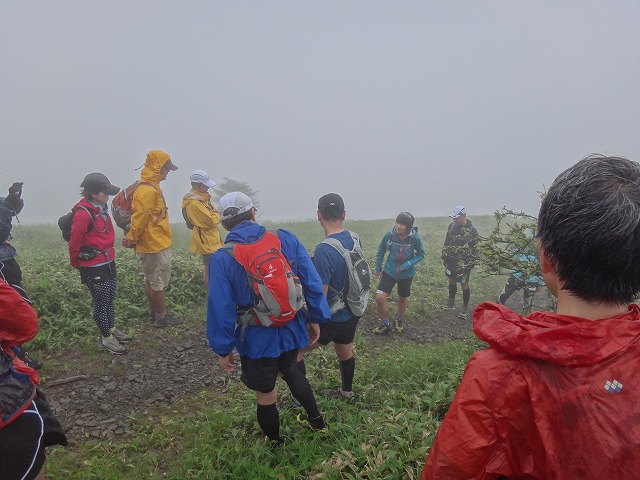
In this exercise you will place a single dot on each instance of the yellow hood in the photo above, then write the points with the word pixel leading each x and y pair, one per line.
pixel 155 161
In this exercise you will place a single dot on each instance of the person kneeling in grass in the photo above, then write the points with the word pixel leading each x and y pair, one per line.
pixel 555 395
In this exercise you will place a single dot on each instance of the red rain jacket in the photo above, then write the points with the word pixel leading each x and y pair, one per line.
pixel 553 397
pixel 98 233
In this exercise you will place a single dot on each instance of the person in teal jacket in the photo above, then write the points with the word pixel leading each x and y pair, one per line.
pixel 405 251
pixel 522 278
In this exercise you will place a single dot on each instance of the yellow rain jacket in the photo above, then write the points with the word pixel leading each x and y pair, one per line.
pixel 150 230
pixel 205 237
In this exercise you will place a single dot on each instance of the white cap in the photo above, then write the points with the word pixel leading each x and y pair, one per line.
pixel 233 204
pixel 457 211
pixel 200 176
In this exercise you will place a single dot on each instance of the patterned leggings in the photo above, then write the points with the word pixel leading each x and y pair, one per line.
pixel 102 285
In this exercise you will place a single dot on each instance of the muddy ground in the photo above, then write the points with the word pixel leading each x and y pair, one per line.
pixel 95 394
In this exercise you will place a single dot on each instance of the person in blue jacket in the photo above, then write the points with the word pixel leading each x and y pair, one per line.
pixel 405 251
pixel 264 352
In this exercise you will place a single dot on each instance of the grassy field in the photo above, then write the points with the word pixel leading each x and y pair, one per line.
pixel 402 392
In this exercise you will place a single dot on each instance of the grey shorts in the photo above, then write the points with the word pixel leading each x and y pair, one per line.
pixel 157 268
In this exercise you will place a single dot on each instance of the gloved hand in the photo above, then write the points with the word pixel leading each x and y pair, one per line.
pixel 15 191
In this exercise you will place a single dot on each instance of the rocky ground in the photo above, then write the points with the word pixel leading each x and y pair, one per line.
pixel 94 394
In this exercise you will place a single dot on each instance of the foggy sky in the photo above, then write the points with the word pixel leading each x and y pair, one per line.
pixel 408 105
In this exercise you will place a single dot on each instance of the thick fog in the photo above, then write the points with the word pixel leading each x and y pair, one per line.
pixel 409 105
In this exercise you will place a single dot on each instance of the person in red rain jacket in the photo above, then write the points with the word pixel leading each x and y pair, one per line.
pixel 91 252
pixel 556 395
pixel 27 424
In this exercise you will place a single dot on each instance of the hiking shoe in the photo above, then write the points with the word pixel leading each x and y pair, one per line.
pixel 167 321
pixel 449 306
pixel 317 424
pixel 111 344
pixel 273 443
pixel 121 337
pixel 384 328
pixel 348 396
pixel 463 315
pixel 397 325
pixel 27 359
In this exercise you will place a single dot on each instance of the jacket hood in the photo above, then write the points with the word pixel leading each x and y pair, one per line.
pixel 155 161
pixel 412 233
pixel 195 196
pixel 246 232
pixel 554 338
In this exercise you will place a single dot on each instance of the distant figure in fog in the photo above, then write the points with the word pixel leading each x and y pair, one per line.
pixel 555 395
pixel 459 255
pixel 91 252
pixel 203 219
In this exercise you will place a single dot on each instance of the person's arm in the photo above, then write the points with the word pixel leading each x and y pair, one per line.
pixel 18 319
pixel 142 206
pixel 418 251
pixel 79 227
pixel 201 216
pixel 467 440
pixel 382 249
pixel 6 214
pixel 221 307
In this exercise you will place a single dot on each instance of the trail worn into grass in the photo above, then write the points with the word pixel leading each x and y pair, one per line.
pixel 95 393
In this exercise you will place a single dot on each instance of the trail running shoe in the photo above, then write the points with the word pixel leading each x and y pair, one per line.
pixel 449 306
pixel 273 443
pixel 384 328
pixel 398 325
pixel 121 337
pixel 317 424
pixel 111 344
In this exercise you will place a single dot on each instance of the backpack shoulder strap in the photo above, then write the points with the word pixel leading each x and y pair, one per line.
pixel 91 215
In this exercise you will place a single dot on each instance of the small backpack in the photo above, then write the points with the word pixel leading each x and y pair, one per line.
pixel 186 218
pixel 276 290
pixel 356 286
pixel 65 221
pixel 121 205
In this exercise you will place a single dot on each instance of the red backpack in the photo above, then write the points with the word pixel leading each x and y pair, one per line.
pixel 121 205
pixel 276 290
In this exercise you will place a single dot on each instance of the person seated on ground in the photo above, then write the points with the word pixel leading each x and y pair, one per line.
pixel 27 425
pixel 234 319
pixel 521 280
pixel 405 250
pixel 555 396
pixel 91 252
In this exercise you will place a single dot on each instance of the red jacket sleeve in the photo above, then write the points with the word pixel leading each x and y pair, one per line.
pixel 18 319
pixel 79 226
pixel 467 444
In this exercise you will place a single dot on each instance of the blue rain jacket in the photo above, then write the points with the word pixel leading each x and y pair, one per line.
pixel 229 288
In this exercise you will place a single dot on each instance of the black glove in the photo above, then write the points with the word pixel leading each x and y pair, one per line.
pixel 15 191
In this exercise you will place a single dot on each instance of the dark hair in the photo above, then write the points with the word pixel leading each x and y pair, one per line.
pixel 229 223
pixel 589 229
pixel 87 193
pixel 405 218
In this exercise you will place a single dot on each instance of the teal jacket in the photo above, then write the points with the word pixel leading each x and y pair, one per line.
pixel 403 254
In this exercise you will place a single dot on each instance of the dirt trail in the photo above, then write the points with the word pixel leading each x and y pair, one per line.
pixel 99 391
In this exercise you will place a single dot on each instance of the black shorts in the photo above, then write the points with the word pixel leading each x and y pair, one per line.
pixel 338 332
pixel 461 275
pixel 387 282
pixel 21 449
pixel 260 374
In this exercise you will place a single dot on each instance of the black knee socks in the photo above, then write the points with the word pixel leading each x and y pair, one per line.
pixel 302 367
pixel 466 294
pixel 301 389
pixel 347 369
pixel 269 421
pixel 453 289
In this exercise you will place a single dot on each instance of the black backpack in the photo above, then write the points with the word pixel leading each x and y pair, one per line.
pixel 65 221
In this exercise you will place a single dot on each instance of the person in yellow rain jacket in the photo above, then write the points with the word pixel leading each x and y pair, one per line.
pixel 202 218
pixel 150 235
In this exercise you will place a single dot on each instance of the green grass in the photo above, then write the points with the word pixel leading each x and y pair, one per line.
pixel 64 305
pixel 402 394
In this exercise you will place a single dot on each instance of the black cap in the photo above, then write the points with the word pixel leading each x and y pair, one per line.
pixel 331 202
pixel 98 182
